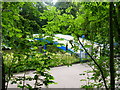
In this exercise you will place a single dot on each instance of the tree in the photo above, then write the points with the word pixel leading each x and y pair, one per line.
pixel 92 20
pixel 112 71
pixel 18 50
pixel 21 20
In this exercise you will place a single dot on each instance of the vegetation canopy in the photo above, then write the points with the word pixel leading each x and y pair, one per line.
pixel 99 22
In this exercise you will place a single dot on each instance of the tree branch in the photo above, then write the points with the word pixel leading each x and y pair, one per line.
pixel 95 63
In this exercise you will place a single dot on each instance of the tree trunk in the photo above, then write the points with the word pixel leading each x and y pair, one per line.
pixel 112 70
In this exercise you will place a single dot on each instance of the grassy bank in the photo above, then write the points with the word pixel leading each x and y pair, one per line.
pixel 32 63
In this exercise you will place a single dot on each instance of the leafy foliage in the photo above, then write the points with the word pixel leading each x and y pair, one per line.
pixel 92 21
pixel 17 32
pixel 21 19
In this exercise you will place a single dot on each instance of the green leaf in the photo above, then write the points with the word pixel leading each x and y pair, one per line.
pixel 13 82
pixel 68 9
pixel 88 46
pixel 17 30
pixel 36 77
pixel 58 45
pixel 19 35
pixel 83 80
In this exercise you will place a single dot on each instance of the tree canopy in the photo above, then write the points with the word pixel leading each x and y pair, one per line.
pixel 20 20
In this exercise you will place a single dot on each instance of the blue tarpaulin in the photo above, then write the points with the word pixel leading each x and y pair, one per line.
pixel 60 47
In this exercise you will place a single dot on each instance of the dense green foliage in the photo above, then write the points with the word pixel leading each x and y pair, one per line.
pixel 92 21
pixel 20 20
pixel 17 29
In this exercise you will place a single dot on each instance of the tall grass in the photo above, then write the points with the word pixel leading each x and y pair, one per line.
pixel 63 59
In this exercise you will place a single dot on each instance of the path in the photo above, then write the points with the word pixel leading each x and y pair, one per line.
pixel 66 77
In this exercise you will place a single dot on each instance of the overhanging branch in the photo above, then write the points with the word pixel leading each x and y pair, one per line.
pixel 95 63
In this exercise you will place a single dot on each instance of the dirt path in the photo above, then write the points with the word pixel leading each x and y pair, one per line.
pixel 66 77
